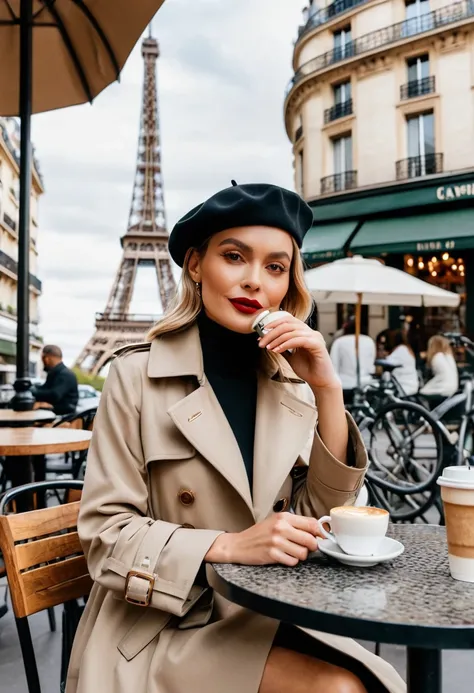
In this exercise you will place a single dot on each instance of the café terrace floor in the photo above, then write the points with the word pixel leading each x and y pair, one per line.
pixel 458 673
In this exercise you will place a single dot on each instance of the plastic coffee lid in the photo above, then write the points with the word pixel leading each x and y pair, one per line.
pixel 457 477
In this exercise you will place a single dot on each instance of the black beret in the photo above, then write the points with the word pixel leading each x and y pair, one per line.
pixel 252 204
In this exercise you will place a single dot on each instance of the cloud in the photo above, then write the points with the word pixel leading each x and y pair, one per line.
pixel 222 74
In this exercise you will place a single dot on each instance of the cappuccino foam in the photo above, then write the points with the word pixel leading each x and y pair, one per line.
pixel 359 510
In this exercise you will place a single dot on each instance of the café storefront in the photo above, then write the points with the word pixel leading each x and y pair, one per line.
pixel 424 227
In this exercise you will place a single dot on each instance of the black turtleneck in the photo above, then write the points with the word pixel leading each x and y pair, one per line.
pixel 230 364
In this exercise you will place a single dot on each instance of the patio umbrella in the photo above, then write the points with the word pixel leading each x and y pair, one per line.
pixel 56 53
pixel 360 280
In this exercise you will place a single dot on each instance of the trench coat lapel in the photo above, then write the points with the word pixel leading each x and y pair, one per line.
pixel 201 420
pixel 283 426
pixel 199 415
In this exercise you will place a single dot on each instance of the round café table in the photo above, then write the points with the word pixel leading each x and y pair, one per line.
pixel 24 448
pixel 12 418
pixel 42 441
pixel 411 601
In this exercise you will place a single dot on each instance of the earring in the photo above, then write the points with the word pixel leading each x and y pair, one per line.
pixel 198 288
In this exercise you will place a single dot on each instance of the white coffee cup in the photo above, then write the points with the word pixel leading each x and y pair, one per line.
pixel 457 493
pixel 359 530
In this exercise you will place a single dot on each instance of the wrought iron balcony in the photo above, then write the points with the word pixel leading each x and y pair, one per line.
pixel 339 181
pixel 12 266
pixel 438 19
pixel 339 110
pixel 299 133
pixel 325 14
pixel 416 166
pixel 417 87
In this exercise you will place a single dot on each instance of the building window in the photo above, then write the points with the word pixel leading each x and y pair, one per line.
pixel 422 159
pixel 419 80
pixel 342 102
pixel 343 47
pixel 342 154
pixel 299 129
pixel 418 17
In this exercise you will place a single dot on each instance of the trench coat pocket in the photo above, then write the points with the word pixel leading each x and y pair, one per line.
pixel 144 630
pixel 201 613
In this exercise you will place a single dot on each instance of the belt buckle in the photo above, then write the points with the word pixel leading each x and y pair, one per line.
pixel 143 576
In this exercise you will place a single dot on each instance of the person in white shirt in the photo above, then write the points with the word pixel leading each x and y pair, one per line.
pixel 401 354
pixel 343 356
pixel 440 358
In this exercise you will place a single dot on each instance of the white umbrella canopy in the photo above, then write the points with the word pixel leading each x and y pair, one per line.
pixel 362 280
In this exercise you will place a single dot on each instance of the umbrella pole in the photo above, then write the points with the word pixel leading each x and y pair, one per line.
pixel 357 335
pixel 23 399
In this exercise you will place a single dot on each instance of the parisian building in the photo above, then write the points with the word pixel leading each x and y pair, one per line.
pixel 9 207
pixel 380 112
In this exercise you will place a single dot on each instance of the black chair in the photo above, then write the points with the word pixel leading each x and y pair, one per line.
pixel 34 557
pixel 73 461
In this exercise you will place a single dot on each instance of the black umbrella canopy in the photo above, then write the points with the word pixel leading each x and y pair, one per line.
pixel 79 48
pixel 53 54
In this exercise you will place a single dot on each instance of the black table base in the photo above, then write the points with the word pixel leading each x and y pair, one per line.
pixel 423 670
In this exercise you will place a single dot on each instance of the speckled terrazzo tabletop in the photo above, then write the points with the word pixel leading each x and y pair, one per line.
pixel 411 600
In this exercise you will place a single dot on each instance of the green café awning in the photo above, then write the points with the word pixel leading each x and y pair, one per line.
pixel 326 241
pixel 449 230
pixel 7 348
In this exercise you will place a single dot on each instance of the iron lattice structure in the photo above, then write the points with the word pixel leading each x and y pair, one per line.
pixel 146 239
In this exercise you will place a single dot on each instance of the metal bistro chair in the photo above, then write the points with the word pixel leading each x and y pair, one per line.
pixel 44 563
pixel 73 461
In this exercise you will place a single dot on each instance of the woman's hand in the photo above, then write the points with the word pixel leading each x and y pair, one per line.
pixel 310 360
pixel 282 538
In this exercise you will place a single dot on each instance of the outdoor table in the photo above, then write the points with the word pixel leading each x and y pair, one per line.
pixel 24 443
pixel 411 601
pixel 10 417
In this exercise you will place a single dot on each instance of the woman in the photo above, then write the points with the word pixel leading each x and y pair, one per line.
pixel 440 359
pixel 401 354
pixel 175 480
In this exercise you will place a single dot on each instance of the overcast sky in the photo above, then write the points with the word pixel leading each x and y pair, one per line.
pixel 222 74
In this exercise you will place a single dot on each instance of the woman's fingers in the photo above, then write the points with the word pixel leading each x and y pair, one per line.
pixel 307 524
pixel 302 538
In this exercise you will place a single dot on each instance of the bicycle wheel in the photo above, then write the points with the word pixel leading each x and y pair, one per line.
pixel 405 449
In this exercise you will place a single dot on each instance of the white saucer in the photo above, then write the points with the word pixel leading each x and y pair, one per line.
pixel 389 549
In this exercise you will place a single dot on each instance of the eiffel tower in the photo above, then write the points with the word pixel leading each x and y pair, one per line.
pixel 146 239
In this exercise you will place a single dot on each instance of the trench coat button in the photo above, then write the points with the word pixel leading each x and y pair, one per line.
pixel 186 496
pixel 281 505
pixel 186 525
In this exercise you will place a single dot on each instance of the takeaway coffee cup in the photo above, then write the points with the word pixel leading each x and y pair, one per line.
pixel 457 493
pixel 359 531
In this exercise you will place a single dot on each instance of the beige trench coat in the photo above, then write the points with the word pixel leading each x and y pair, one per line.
pixel 164 478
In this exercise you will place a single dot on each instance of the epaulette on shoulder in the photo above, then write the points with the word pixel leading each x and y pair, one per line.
pixel 132 348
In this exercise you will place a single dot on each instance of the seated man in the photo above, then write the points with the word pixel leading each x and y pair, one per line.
pixel 60 389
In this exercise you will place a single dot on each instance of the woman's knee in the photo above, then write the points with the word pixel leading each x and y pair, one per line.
pixel 288 671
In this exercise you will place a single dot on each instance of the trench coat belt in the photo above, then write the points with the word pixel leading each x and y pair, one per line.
pixel 141 578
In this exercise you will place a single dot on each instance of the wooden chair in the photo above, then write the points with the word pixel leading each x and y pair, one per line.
pixel 44 563
pixel 73 461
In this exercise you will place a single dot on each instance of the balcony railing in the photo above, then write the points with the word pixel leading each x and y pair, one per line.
pixel 339 181
pixel 12 266
pixel 126 317
pixel 325 14
pixel 339 110
pixel 417 87
pixel 299 133
pixel 416 166
pixel 437 19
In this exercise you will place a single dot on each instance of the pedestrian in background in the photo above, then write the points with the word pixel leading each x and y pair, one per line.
pixel 59 392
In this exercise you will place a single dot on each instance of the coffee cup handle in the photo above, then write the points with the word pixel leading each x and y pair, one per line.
pixel 328 535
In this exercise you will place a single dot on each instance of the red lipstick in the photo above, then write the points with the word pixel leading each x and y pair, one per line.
pixel 246 305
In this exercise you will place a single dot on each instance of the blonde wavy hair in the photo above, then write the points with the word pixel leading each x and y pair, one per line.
pixel 187 303
pixel 437 344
